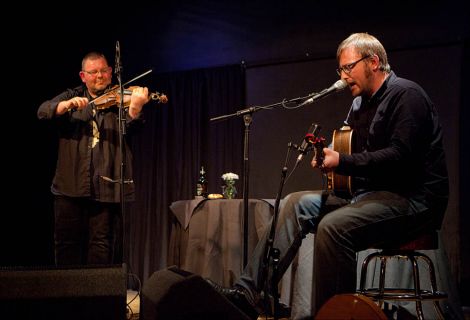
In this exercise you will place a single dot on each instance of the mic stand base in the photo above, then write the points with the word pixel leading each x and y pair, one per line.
pixel 276 254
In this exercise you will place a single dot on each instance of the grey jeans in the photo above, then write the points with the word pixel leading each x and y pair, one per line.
pixel 341 228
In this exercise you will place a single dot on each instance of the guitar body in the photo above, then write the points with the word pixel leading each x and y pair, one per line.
pixel 350 306
pixel 343 142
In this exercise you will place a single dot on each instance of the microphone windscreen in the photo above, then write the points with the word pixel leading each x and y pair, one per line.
pixel 340 84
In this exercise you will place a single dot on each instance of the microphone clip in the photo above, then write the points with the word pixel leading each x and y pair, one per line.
pixel 310 141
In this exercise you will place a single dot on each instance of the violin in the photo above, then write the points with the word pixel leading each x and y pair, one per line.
pixel 112 97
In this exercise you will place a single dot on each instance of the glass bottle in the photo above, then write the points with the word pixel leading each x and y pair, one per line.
pixel 229 190
pixel 201 186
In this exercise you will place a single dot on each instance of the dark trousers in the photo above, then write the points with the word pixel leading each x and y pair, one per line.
pixel 342 228
pixel 85 231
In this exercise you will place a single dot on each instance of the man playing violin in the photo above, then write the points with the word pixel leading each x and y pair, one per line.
pixel 86 184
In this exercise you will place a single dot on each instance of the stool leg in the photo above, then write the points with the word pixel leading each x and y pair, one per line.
pixel 364 267
pixel 419 306
pixel 432 278
pixel 383 265
pixel 362 282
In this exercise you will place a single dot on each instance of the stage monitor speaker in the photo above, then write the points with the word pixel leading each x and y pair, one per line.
pixel 177 294
pixel 63 293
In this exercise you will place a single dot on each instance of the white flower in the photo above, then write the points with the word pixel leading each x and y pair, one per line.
pixel 230 176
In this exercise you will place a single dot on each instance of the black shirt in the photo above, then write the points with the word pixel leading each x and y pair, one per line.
pixel 88 157
pixel 399 143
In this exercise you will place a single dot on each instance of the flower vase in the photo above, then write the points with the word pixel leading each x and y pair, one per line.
pixel 229 190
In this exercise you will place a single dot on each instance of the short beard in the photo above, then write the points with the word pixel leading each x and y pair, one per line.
pixel 368 74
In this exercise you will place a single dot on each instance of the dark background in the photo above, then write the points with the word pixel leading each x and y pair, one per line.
pixel 287 50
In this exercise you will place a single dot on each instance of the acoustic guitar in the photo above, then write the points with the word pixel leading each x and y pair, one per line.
pixel 350 306
pixel 343 142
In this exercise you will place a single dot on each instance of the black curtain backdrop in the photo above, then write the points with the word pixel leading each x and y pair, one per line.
pixel 174 36
pixel 176 140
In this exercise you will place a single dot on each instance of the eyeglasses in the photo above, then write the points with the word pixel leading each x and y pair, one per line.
pixel 347 68
pixel 94 73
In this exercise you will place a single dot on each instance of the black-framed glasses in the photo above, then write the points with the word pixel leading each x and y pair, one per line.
pixel 347 68
pixel 94 73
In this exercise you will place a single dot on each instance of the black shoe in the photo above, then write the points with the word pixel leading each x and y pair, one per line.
pixel 283 311
pixel 238 297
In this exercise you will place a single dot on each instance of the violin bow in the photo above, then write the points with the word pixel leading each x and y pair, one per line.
pixel 132 80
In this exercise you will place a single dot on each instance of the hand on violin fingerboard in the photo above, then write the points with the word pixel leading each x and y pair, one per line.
pixel 139 97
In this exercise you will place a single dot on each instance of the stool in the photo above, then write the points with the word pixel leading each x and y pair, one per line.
pixel 427 241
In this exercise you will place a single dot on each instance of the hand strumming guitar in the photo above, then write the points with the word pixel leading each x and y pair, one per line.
pixel 326 159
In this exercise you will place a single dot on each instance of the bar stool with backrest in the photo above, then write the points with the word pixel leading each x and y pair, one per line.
pixel 425 241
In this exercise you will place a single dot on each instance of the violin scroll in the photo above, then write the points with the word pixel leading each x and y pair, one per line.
pixel 160 97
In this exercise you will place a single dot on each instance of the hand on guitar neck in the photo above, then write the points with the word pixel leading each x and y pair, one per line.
pixel 328 159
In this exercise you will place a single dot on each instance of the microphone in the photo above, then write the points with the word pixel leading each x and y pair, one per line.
pixel 337 86
pixel 309 138
pixel 117 59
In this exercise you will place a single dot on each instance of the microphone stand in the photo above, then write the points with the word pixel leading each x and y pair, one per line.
pixel 122 133
pixel 271 255
pixel 247 119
